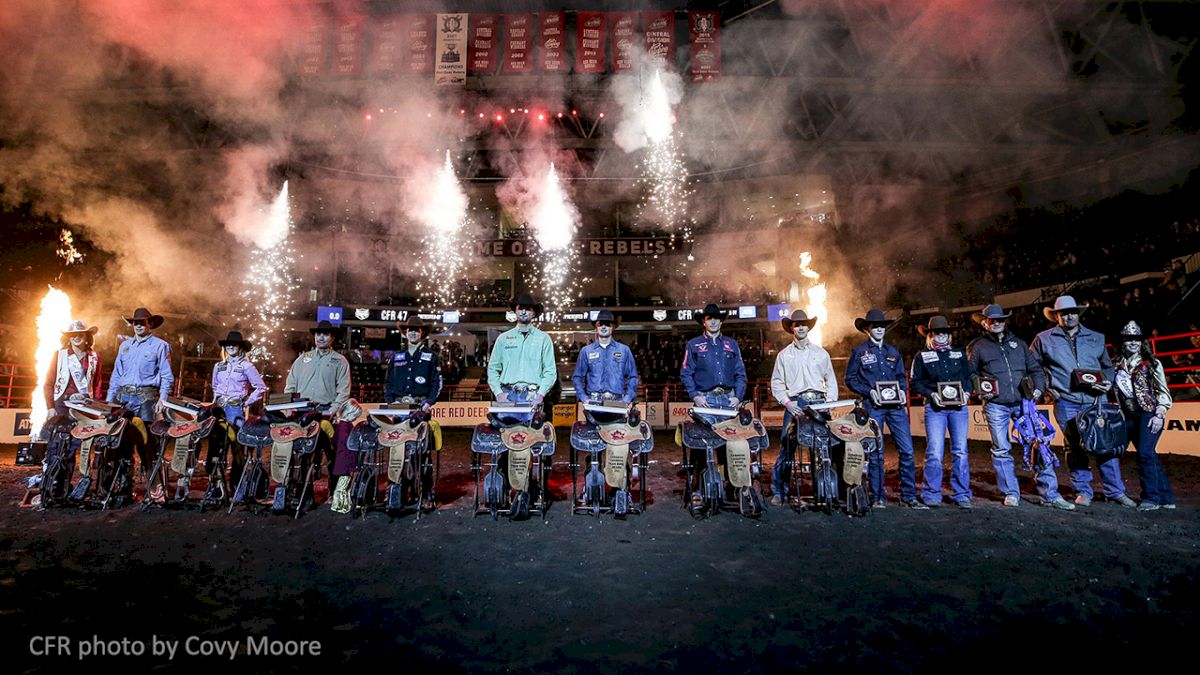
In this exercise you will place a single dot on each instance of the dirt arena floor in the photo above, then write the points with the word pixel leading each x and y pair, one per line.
pixel 897 591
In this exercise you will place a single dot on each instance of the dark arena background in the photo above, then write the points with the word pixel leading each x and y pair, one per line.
pixel 259 165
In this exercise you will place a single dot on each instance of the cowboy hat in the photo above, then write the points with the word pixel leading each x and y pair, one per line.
pixel 414 322
pixel 798 316
pixel 325 327
pixel 712 310
pixel 1132 332
pixel 1061 304
pixel 937 324
pixel 235 339
pixel 79 327
pixel 606 315
pixel 992 311
pixel 142 314
pixel 874 317
pixel 525 300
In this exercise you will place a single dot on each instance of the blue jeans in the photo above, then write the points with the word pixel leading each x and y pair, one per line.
pixel 234 414
pixel 1078 459
pixel 714 401
pixel 936 423
pixel 1155 488
pixel 999 418
pixel 787 452
pixel 141 405
pixel 518 397
pixel 896 419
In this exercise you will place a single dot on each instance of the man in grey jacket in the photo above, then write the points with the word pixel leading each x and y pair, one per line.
pixel 1002 361
pixel 1059 352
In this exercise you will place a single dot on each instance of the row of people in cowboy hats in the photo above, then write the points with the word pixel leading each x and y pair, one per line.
pixel 1013 371
pixel 1141 389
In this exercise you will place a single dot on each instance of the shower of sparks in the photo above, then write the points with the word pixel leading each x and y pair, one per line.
pixel 52 320
pixel 67 250
pixel 269 284
pixel 444 217
pixel 816 294
pixel 553 219
pixel 664 175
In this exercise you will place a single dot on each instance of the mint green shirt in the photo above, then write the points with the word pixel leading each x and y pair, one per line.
pixel 522 357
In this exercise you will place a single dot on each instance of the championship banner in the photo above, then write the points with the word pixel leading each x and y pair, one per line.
pixel 310 57
pixel 420 44
pixel 705 29
pixel 659 28
pixel 387 40
pixel 589 42
pixel 451 68
pixel 624 28
pixel 518 42
pixel 552 42
pixel 485 43
pixel 348 44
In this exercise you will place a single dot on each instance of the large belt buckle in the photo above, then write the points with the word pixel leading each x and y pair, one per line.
pixel 811 396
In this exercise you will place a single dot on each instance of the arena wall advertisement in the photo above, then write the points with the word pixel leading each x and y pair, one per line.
pixel 1181 435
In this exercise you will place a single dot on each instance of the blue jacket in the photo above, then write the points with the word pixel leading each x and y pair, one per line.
pixel 931 366
pixel 1008 359
pixel 870 364
pixel 416 375
pixel 1057 355
pixel 713 362
pixel 606 369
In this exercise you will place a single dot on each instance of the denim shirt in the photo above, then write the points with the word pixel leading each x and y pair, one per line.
pixel 870 363
pixel 1057 355
pixel 606 369
pixel 142 363
pixel 713 362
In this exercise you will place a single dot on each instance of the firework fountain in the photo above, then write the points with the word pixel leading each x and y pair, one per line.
pixel 649 122
pixel 269 282
pixel 444 217
pixel 52 320
pixel 554 220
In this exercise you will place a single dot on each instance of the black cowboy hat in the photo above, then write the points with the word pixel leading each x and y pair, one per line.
pixel 414 322
pixel 80 328
pixel 798 316
pixel 325 327
pixel 992 311
pixel 525 300
pixel 606 315
pixel 712 310
pixel 937 324
pixel 874 317
pixel 142 314
pixel 235 338
pixel 1131 331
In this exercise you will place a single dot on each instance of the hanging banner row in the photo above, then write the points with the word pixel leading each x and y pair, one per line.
pixel 452 46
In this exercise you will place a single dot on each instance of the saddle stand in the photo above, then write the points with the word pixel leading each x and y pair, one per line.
pixel 730 487
pixel 528 449
pixel 616 446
